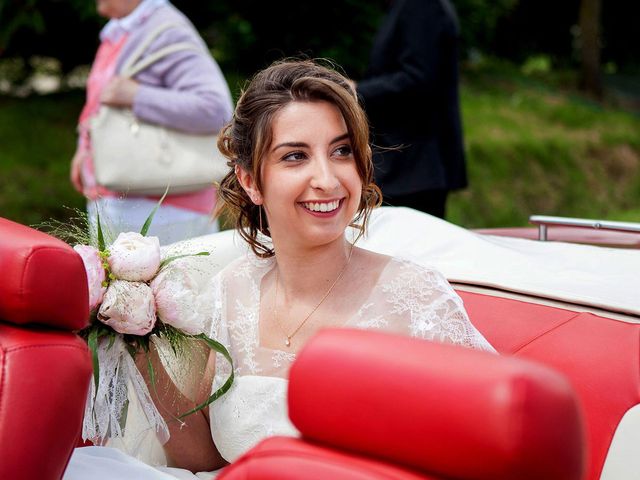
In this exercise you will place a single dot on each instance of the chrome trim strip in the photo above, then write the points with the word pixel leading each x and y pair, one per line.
pixel 543 221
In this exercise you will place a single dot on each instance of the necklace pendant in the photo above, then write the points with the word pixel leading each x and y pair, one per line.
pixel 288 342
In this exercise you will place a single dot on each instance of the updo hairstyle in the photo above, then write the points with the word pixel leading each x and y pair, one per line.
pixel 247 138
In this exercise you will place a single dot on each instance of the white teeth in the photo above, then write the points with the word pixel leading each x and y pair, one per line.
pixel 322 207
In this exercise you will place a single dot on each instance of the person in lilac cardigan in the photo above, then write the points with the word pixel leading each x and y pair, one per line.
pixel 184 90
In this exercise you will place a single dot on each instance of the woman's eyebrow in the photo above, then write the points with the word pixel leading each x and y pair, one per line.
pixel 339 138
pixel 290 144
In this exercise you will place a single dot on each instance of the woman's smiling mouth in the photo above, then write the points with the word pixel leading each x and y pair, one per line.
pixel 322 207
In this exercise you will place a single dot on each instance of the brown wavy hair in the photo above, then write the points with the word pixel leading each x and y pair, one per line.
pixel 246 139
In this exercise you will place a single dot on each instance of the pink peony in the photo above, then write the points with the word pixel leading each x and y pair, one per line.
pixel 178 296
pixel 134 257
pixel 128 307
pixel 95 273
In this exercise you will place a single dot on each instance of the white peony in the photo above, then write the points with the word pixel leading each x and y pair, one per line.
pixel 178 297
pixel 134 257
pixel 128 307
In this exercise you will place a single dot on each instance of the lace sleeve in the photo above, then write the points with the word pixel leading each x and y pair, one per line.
pixel 217 329
pixel 214 300
pixel 425 305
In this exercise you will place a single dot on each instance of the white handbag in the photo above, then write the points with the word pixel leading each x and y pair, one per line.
pixel 139 158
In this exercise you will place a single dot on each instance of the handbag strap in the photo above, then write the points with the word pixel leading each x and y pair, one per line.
pixel 133 66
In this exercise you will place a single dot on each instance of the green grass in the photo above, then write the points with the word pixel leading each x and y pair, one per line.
pixel 533 147
pixel 37 141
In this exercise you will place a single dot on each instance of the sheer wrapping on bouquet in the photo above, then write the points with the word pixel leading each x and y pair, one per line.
pixel 106 408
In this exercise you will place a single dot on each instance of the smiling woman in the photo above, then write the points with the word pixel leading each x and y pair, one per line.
pixel 298 142
pixel 311 184
pixel 294 113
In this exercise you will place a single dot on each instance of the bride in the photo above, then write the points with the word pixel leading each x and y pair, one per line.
pixel 299 144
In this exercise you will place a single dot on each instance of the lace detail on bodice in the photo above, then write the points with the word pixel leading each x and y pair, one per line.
pixel 243 335
pixel 367 321
pixel 428 305
pixel 253 409
pixel 408 299
pixel 280 358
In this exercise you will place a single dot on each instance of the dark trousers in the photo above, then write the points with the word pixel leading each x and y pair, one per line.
pixel 428 201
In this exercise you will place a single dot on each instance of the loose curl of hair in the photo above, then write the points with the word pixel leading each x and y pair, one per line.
pixel 246 139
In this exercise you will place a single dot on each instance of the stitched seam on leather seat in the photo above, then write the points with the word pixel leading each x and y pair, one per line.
pixel 49 345
pixel 3 379
pixel 546 332
pixel 21 289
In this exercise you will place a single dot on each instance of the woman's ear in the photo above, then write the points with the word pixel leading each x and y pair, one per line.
pixel 248 184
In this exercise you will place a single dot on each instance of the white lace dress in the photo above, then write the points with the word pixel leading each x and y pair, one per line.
pixel 408 299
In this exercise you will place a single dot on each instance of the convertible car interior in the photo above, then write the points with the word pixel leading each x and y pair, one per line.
pixel 561 401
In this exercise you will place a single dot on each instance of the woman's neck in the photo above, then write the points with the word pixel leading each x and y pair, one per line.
pixel 309 272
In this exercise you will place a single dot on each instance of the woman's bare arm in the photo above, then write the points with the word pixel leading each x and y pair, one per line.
pixel 190 445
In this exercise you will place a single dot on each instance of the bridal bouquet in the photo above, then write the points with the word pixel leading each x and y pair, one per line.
pixel 136 297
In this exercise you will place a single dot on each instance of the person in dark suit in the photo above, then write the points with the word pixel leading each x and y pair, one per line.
pixel 410 94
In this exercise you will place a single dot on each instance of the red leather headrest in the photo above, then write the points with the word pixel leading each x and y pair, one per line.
pixel 42 279
pixel 442 409
pixel 288 458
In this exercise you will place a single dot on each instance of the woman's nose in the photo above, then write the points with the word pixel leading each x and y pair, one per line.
pixel 323 175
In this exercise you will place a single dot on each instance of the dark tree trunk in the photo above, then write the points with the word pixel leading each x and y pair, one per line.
pixel 591 75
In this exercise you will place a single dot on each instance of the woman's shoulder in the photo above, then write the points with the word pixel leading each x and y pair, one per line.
pixel 403 277
pixel 402 267
pixel 247 267
pixel 168 14
pixel 392 276
pixel 181 29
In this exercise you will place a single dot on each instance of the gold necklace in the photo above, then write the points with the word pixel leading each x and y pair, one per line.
pixel 275 302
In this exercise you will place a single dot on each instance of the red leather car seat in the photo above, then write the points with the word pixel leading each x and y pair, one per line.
pixel 44 368
pixel 373 405
pixel 598 355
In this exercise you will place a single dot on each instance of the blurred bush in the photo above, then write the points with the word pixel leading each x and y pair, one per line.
pixel 245 36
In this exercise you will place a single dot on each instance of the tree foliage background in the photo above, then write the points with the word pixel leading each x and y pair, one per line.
pixel 245 35
pixel 533 145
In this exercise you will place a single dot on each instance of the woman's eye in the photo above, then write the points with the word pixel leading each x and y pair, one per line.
pixel 294 157
pixel 343 150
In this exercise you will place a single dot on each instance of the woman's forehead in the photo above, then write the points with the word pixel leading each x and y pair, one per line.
pixel 307 118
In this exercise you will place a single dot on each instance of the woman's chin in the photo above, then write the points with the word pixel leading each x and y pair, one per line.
pixel 323 237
